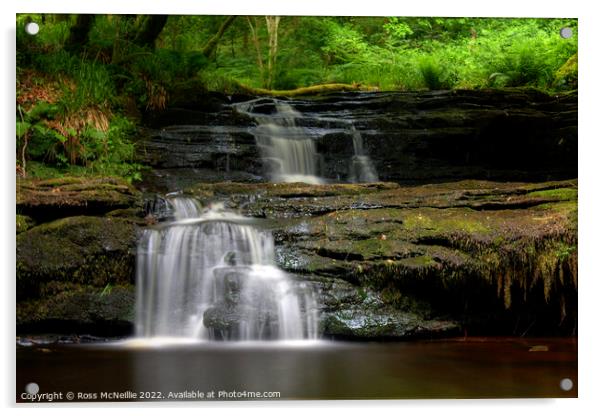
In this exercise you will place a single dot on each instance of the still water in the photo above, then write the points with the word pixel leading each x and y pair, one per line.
pixel 166 370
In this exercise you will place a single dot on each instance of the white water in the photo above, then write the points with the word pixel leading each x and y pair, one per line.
pixel 208 275
pixel 361 168
pixel 288 151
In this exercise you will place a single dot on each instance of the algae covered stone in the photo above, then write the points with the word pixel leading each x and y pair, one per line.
pixel 86 250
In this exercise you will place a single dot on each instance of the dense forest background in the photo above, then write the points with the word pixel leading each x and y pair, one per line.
pixel 84 80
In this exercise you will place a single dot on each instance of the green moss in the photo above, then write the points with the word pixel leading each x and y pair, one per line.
pixel 560 194
pixel 24 223
pixel 373 248
pixel 79 303
pixel 288 190
pixel 86 250
pixel 419 261
pixel 567 74
pixel 107 193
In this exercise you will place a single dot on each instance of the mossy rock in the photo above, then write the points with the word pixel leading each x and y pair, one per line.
pixel 80 304
pixel 85 250
pixel 493 249
pixel 290 200
pixel 70 196
pixel 287 190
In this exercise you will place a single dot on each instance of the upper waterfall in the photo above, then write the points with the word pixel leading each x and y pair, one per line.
pixel 288 150
pixel 287 139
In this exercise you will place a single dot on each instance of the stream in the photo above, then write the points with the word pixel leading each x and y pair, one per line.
pixel 452 368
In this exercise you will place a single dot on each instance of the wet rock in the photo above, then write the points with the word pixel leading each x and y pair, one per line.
pixel 45 200
pixel 351 311
pixel 223 318
pixel 391 324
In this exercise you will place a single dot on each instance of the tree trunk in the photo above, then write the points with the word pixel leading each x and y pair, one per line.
pixel 79 33
pixel 211 45
pixel 272 26
pixel 255 39
pixel 124 28
pixel 150 30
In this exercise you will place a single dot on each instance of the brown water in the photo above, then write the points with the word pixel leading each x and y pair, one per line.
pixel 458 368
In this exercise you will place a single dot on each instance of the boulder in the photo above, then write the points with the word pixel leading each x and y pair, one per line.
pixel 68 308
pixel 93 251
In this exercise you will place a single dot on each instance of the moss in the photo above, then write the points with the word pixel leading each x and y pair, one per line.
pixel 85 250
pixel 79 303
pixel 74 196
pixel 24 223
pixel 510 250
pixel 453 219
pixel 373 248
pixel 287 190
pixel 560 194
pixel 567 74
pixel 419 261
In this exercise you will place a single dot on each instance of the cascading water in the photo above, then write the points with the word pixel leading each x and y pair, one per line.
pixel 211 275
pixel 361 168
pixel 289 152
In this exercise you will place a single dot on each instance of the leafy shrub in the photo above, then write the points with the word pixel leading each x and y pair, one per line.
pixel 432 73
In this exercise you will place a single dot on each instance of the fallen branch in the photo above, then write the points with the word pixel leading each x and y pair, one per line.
pixel 314 89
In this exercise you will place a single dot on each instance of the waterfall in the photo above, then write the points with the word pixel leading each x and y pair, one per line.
pixel 289 152
pixel 288 148
pixel 361 168
pixel 211 275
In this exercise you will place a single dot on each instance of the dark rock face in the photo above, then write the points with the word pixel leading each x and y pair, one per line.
pixel 436 136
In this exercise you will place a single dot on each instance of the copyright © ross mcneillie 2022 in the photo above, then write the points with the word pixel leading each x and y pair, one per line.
pixel 150 395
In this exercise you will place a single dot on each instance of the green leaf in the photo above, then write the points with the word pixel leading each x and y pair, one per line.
pixel 43 110
pixel 58 136
pixel 23 128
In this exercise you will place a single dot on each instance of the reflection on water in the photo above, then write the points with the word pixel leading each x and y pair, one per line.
pixel 471 368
